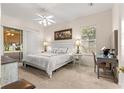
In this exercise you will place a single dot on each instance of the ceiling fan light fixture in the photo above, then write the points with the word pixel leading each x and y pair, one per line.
pixel 45 20
pixel 40 22
pixel 49 23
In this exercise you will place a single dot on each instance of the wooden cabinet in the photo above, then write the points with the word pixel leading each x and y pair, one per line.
pixel 9 71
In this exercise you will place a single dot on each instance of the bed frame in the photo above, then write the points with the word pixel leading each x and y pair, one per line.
pixel 51 72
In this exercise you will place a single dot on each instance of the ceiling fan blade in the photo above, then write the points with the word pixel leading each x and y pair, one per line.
pixel 49 16
pixel 40 15
pixel 52 21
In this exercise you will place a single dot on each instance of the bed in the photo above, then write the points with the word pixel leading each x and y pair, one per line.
pixel 49 61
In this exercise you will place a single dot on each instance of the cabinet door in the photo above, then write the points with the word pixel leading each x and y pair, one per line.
pixel 9 73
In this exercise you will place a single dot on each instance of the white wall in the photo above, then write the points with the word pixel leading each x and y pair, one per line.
pixel 103 23
pixel 34 40
pixel 122 33
pixel 121 46
pixel 115 21
pixel 118 24
pixel 18 23
pixel 0 41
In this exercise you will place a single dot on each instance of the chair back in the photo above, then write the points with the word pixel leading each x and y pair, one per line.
pixel 94 57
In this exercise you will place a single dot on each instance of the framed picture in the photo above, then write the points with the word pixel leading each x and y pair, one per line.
pixel 63 34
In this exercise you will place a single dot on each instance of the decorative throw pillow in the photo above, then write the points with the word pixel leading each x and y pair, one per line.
pixel 62 51
pixel 54 50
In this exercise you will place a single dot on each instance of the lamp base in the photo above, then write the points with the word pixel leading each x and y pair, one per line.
pixel 45 49
pixel 78 50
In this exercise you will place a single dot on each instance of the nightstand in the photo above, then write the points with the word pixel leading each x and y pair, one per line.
pixel 77 58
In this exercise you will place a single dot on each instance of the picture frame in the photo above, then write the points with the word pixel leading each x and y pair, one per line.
pixel 63 34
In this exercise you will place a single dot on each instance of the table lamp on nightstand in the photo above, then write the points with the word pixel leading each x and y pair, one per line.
pixel 45 44
pixel 78 43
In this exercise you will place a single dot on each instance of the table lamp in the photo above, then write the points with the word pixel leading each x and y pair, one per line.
pixel 78 43
pixel 45 44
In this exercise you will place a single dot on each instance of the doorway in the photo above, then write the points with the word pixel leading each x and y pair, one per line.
pixel 13 40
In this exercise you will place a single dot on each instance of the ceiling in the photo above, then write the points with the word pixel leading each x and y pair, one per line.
pixel 63 12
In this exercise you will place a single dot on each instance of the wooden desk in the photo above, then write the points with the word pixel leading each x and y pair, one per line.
pixel 113 62
pixel 101 58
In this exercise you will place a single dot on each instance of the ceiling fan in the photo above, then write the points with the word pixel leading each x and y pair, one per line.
pixel 45 20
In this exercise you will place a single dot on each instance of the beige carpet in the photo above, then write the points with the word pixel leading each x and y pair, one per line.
pixel 67 77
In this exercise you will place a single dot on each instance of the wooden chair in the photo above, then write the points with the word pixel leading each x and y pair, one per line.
pixel 95 64
pixel 99 66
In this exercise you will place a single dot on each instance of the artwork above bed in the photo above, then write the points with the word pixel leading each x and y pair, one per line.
pixel 63 34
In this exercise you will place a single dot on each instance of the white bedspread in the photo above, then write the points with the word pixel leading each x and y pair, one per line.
pixel 48 61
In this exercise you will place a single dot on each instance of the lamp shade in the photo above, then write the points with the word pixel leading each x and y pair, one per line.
pixel 78 42
pixel 45 43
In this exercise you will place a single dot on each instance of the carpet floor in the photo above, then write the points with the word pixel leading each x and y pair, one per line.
pixel 66 77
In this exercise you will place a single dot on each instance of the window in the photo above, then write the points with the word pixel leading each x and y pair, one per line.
pixel 88 39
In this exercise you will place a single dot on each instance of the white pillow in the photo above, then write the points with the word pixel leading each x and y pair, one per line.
pixel 70 51
pixel 54 50
pixel 62 51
